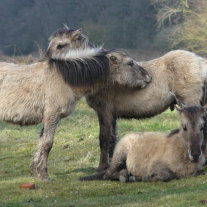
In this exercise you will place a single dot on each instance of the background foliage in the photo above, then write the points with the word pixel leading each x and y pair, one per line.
pixel 182 24
pixel 26 25
pixel 135 24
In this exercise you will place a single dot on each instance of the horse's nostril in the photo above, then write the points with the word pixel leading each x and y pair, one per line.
pixel 196 156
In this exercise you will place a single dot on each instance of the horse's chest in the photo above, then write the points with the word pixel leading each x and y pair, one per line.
pixel 66 109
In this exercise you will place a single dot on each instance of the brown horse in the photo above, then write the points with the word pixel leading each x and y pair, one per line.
pixel 48 91
pixel 178 76
pixel 153 156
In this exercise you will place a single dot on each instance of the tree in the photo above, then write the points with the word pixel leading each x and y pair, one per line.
pixel 183 23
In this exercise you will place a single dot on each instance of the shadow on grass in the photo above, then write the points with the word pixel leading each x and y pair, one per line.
pixel 88 170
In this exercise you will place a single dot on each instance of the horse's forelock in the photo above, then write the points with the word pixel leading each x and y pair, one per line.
pixel 61 32
pixel 74 54
pixel 121 52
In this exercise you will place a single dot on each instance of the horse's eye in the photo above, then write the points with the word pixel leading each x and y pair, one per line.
pixel 184 128
pixel 202 128
pixel 61 46
pixel 131 63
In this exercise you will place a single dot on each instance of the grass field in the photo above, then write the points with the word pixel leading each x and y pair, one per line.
pixel 76 153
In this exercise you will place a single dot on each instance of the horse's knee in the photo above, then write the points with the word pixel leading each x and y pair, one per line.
pixel 47 145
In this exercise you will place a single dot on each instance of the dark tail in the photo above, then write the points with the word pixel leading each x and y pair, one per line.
pixel 97 176
pixel 203 103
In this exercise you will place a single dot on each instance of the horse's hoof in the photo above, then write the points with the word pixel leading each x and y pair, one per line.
pixel 43 178
pixel 36 174
pixel 123 179
pixel 46 179
pixel 123 176
pixel 132 179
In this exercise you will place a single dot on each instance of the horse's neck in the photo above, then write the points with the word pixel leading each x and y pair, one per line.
pixel 146 102
pixel 88 90
pixel 178 143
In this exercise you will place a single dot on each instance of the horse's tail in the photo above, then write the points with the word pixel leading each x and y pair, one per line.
pixel 204 98
pixel 204 103
pixel 97 176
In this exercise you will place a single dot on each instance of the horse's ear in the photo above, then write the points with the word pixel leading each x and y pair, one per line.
pixel 66 26
pixel 76 33
pixel 113 59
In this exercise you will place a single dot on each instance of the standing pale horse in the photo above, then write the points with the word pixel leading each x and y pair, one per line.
pixel 178 76
pixel 48 90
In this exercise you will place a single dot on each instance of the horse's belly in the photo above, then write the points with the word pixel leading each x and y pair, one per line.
pixel 19 108
pixel 21 116
pixel 138 106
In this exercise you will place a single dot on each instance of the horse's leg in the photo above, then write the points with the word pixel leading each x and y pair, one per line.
pixel 39 163
pixel 113 138
pixel 124 176
pixel 105 122
pixel 117 166
pixel 161 172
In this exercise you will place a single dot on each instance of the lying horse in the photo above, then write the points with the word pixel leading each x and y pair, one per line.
pixel 48 91
pixel 152 156
pixel 177 77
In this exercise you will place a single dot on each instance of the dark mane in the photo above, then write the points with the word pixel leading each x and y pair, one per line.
pixel 175 131
pixel 85 71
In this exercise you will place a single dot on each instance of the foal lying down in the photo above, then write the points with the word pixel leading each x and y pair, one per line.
pixel 152 156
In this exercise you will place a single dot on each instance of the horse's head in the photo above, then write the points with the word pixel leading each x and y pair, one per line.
pixel 192 129
pixel 126 71
pixel 66 39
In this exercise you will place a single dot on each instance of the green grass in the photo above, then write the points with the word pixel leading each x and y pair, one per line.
pixel 75 154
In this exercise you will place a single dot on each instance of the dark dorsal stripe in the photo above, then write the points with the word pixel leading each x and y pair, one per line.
pixel 83 72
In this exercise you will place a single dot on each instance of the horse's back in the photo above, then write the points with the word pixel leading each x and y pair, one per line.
pixel 189 76
pixel 21 93
pixel 145 150
pixel 186 73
